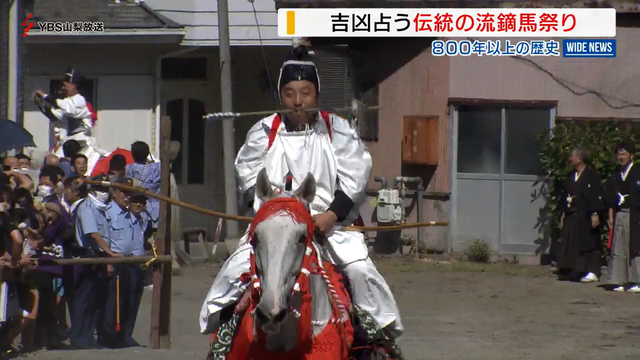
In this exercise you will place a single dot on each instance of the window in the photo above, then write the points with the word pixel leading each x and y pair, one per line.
pixel 86 88
pixel 195 142
pixel 479 134
pixel 335 83
pixel 481 149
pixel 188 168
pixel 184 69
pixel 175 110
pixel 522 151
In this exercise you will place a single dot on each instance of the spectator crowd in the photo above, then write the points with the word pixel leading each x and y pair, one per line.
pixel 59 216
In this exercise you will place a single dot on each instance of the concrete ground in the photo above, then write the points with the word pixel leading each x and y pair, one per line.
pixel 451 310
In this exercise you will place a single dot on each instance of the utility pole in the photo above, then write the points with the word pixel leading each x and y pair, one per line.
pixel 228 138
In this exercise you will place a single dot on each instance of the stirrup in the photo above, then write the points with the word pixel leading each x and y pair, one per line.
pixel 382 339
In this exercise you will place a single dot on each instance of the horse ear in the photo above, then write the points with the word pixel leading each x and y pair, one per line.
pixel 263 187
pixel 307 190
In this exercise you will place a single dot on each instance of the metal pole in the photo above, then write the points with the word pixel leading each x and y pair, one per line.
pixel 228 138
pixel 12 94
pixel 420 195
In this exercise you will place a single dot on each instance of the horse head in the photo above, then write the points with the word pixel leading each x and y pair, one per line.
pixel 281 233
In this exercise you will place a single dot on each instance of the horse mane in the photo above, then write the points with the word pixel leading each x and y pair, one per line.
pixel 292 206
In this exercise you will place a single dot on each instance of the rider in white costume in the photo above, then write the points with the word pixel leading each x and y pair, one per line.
pixel 71 119
pixel 328 147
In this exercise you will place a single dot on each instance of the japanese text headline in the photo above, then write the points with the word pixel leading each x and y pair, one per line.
pixel 529 23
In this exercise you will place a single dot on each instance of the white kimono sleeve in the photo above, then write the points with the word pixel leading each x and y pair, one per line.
pixel 353 160
pixel 250 159
pixel 73 106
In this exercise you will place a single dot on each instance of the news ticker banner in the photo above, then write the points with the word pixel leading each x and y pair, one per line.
pixel 568 48
pixel 544 23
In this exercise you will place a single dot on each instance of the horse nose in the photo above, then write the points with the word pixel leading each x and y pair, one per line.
pixel 278 316
pixel 273 317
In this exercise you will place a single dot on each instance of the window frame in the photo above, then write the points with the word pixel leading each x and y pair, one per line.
pixel 207 64
pixel 182 174
pixel 505 138
pixel 493 108
pixel 503 106
pixel 93 98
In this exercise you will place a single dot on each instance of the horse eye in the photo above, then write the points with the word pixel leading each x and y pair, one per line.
pixel 303 238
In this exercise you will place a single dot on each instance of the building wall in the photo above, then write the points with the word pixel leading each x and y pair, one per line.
pixel 421 87
pixel 201 20
pixel 124 88
pixel 507 78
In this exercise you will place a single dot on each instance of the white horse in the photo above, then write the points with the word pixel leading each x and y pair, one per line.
pixel 297 306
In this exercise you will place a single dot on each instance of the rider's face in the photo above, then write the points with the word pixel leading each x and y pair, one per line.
pixel 298 96
pixel 69 88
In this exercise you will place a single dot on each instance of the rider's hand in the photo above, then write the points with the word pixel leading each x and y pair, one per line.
pixel 325 221
pixel 40 93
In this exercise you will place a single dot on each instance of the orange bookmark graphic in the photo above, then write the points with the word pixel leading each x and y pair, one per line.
pixel 291 22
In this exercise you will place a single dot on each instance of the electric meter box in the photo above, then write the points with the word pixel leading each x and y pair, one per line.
pixel 390 208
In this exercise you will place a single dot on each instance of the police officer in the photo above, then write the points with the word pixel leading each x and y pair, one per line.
pixel 127 221
pixel 92 237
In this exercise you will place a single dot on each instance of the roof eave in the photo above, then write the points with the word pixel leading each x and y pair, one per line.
pixel 168 23
pixel 110 36
pixel 117 32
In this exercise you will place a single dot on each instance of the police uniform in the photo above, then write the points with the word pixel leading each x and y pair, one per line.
pixel 126 232
pixel 89 280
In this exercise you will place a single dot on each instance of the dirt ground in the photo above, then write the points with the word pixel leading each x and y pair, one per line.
pixel 450 310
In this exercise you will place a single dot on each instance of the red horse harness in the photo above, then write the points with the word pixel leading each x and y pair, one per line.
pixel 277 120
pixel 335 340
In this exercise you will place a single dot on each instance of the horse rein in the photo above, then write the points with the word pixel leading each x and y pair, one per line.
pixel 300 213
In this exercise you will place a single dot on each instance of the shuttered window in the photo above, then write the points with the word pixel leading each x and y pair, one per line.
pixel 335 82
pixel 336 92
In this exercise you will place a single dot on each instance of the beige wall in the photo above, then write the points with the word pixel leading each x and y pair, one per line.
pixel 425 84
pixel 507 78
pixel 126 96
pixel 421 87
pixel 125 88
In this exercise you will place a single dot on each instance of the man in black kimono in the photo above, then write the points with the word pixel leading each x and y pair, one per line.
pixel 624 211
pixel 580 249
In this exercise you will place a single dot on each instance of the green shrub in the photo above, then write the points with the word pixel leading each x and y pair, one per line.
pixel 478 251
